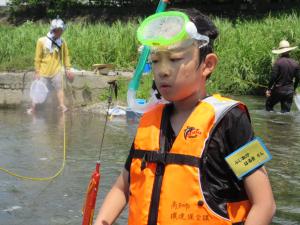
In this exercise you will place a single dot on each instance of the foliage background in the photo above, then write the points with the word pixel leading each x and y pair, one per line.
pixel 244 48
pixel 109 10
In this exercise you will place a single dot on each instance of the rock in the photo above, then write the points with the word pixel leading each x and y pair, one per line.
pixel 103 69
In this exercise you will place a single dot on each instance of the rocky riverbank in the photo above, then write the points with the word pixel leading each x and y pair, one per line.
pixel 85 91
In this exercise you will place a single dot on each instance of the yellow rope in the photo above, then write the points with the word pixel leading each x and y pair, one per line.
pixel 43 178
pixel 64 151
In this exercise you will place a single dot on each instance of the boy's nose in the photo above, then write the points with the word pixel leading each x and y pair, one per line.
pixel 164 73
pixel 164 70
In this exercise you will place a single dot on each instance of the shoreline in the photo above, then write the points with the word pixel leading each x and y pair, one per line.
pixel 88 88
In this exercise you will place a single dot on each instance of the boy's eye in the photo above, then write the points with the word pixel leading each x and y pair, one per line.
pixel 175 59
pixel 154 60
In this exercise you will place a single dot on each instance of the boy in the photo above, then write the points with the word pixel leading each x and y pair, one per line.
pixel 51 52
pixel 176 171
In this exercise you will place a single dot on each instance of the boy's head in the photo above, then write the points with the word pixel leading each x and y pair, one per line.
pixel 57 27
pixel 182 56
pixel 204 26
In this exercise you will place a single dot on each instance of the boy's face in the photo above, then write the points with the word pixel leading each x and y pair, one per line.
pixel 57 33
pixel 177 73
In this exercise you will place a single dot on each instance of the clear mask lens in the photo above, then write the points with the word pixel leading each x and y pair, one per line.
pixel 160 28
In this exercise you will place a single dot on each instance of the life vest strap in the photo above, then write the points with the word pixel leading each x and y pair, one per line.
pixel 165 158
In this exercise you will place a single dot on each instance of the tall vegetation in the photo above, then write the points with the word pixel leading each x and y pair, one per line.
pixel 39 9
pixel 244 48
pixel 88 44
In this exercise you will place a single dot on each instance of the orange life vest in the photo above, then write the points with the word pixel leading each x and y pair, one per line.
pixel 165 188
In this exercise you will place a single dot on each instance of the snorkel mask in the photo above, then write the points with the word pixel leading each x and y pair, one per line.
pixel 162 31
pixel 169 30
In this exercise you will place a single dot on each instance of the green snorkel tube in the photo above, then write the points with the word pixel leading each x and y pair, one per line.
pixel 135 81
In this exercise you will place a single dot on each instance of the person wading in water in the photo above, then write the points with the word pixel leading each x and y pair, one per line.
pixel 284 79
pixel 51 55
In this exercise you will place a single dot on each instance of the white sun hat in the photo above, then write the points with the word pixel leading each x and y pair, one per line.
pixel 284 46
pixel 56 24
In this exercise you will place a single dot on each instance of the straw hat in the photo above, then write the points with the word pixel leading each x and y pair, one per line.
pixel 284 46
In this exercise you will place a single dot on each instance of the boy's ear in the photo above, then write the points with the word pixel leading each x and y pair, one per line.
pixel 209 64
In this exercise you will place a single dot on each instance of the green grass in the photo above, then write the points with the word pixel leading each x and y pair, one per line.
pixel 244 49
pixel 88 44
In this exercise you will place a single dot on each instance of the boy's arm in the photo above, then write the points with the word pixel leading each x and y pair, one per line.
pixel 239 132
pixel 38 57
pixel 260 194
pixel 115 201
pixel 66 61
pixel 66 57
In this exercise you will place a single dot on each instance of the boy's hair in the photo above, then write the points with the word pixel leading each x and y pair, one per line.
pixel 204 26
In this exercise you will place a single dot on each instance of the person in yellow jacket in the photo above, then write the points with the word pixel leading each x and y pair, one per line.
pixel 51 59
pixel 194 160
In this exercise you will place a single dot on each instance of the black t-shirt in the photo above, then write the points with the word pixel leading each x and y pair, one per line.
pixel 284 71
pixel 219 184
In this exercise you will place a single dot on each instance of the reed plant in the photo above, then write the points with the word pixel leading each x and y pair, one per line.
pixel 88 44
pixel 244 48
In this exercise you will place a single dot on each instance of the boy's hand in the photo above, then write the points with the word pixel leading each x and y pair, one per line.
pixel 70 76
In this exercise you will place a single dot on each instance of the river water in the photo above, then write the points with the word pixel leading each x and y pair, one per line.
pixel 33 146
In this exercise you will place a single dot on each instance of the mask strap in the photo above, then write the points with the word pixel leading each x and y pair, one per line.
pixel 191 29
pixel 203 44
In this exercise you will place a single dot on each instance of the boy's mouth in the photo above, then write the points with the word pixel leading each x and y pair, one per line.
pixel 164 87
